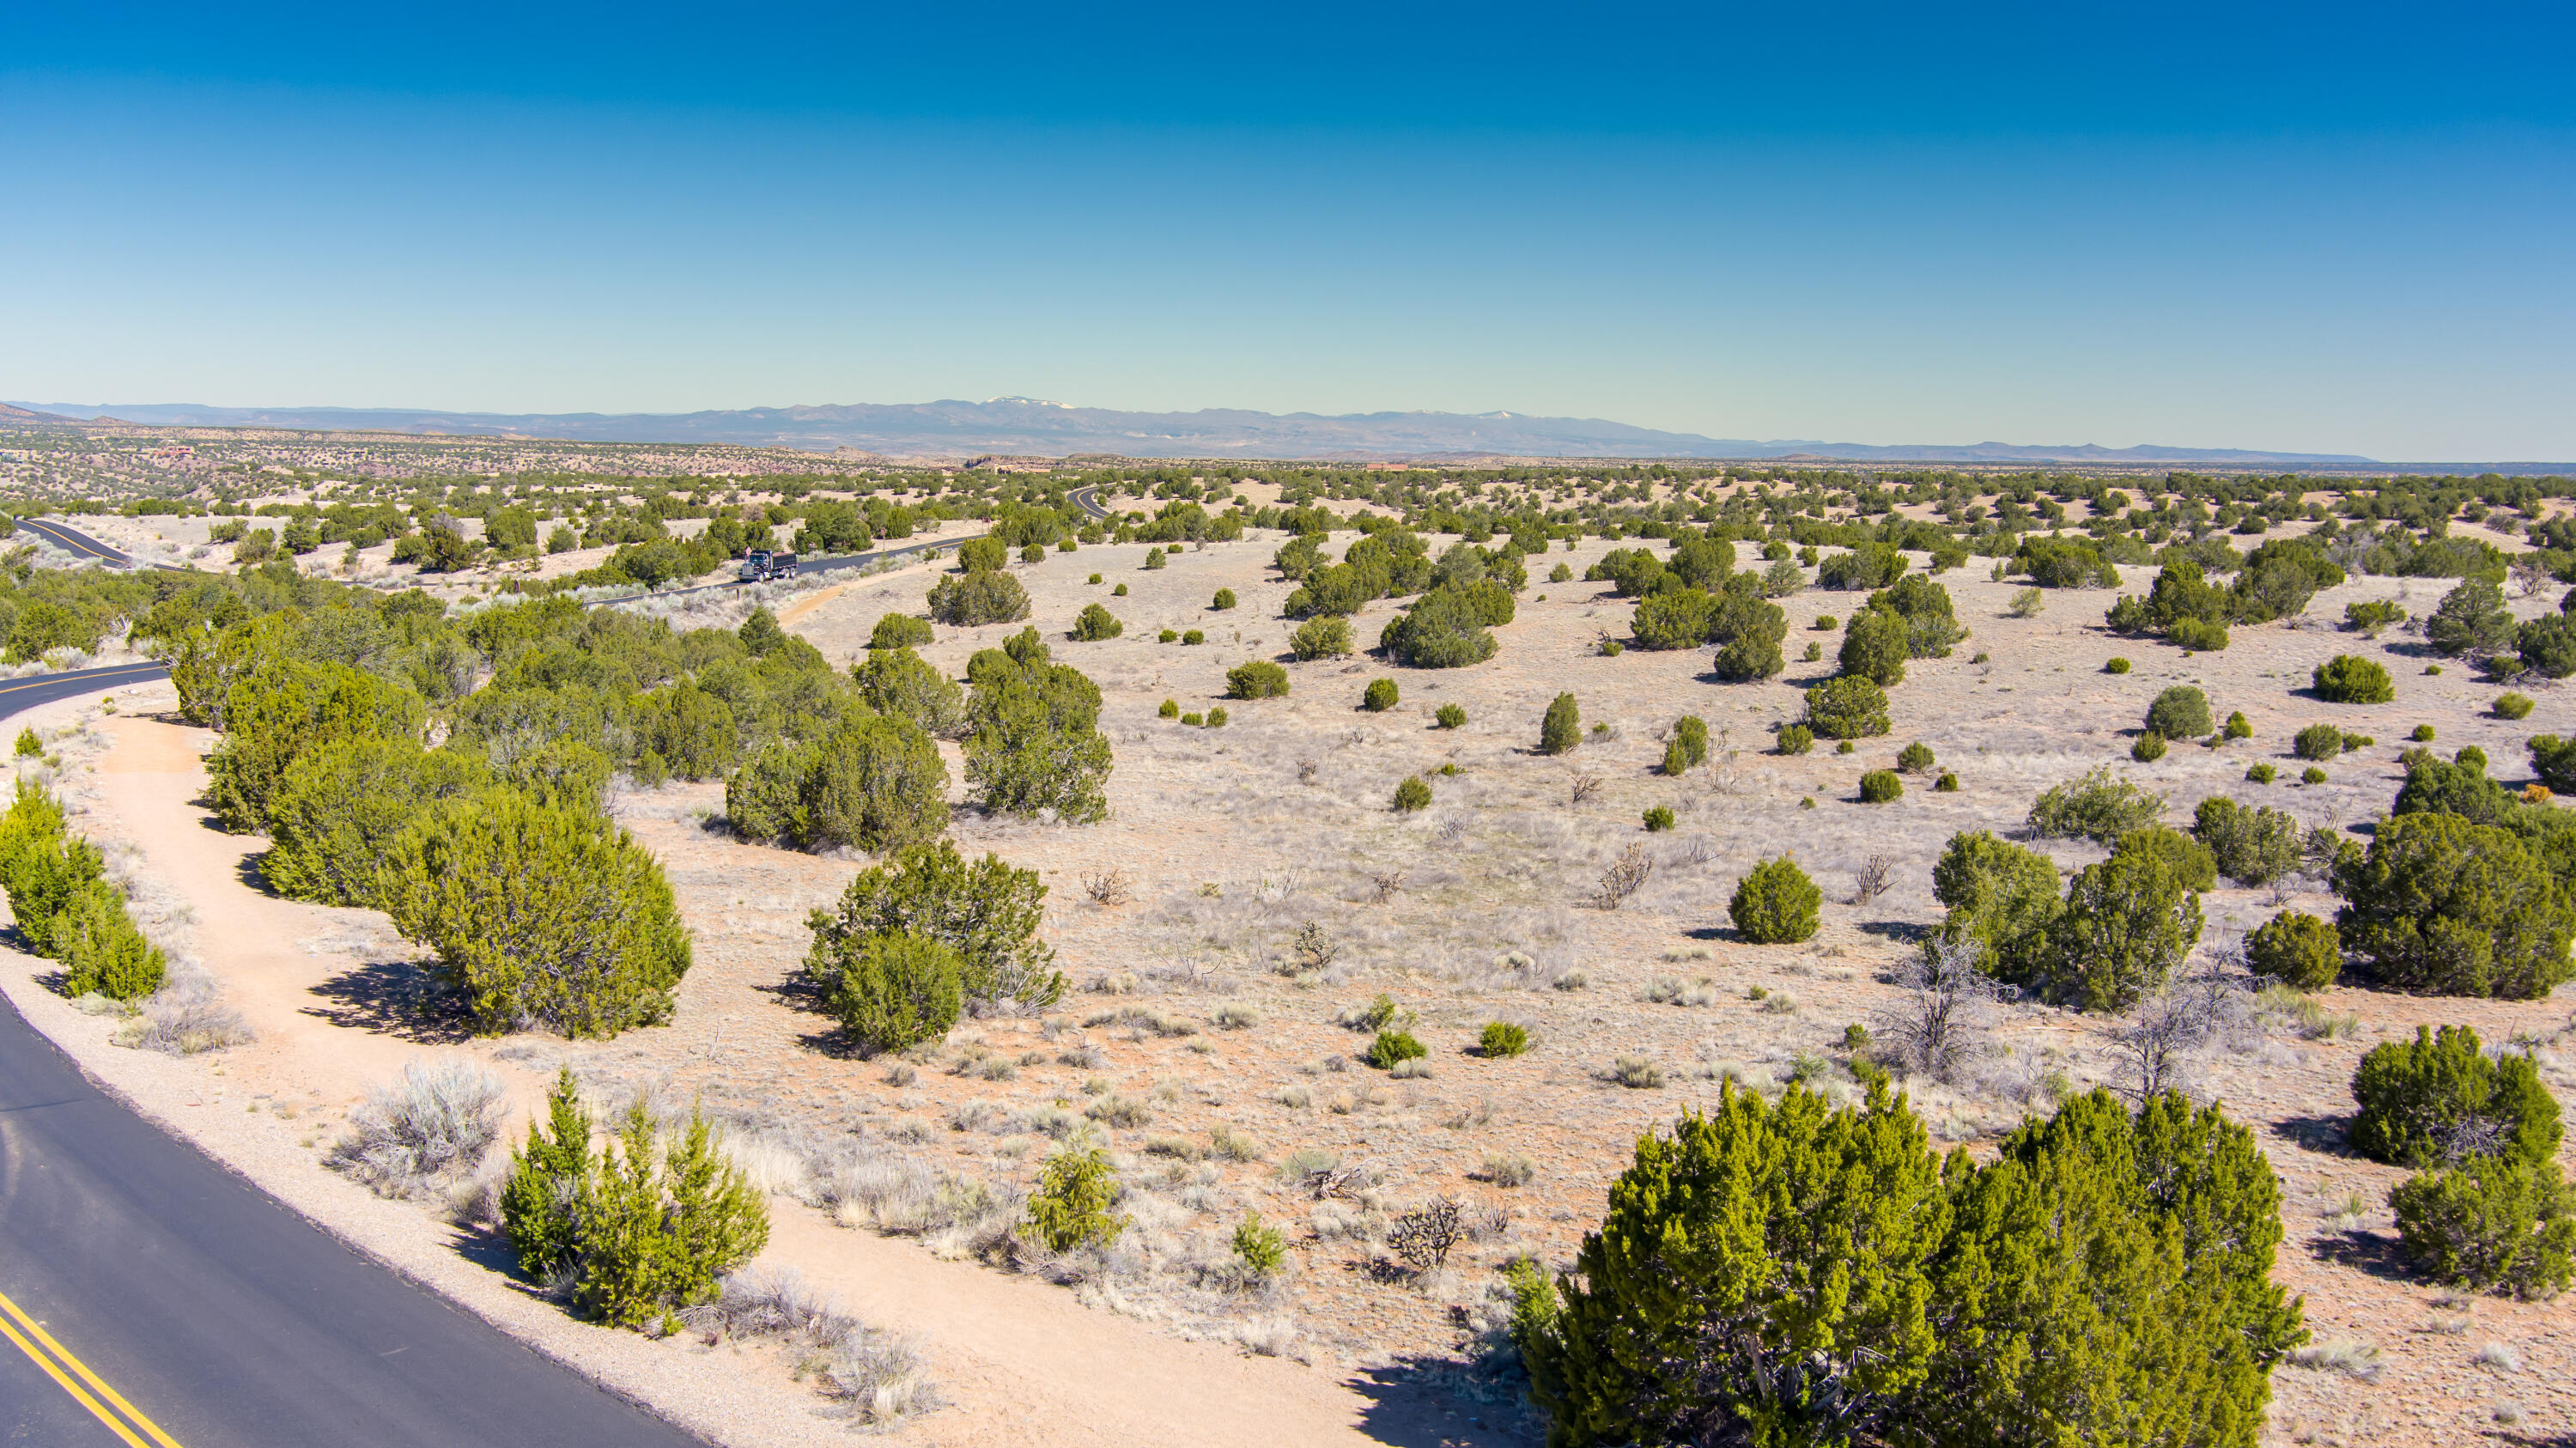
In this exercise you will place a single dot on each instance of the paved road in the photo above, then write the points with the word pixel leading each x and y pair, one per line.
pixel 221 1318
pixel 78 542
pixel 1087 499
pixel 83 545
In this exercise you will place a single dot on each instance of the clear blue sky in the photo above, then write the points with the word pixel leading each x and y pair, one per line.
pixel 2342 228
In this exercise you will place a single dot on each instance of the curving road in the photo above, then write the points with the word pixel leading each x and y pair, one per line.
pixel 78 543
pixel 149 1297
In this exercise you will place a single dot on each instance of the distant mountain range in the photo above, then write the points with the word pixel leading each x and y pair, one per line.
pixel 1024 425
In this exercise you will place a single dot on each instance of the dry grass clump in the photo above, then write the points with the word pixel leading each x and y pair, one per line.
pixel 2351 1357
pixel 1637 1073
pixel 876 1377
pixel 425 1132
pixel 184 1026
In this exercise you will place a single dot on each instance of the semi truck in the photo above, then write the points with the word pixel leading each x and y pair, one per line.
pixel 761 564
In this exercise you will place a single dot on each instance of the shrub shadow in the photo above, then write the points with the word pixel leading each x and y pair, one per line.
pixel 395 998
pixel 2366 1252
pixel 1422 1401
pixel 1901 932
pixel 2324 1135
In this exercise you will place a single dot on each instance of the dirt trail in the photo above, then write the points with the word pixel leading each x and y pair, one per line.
pixel 1023 1363
pixel 256 943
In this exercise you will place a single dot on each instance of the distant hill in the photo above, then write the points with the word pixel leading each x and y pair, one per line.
pixel 1025 425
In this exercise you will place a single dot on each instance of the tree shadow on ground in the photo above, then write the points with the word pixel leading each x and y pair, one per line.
pixel 394 998
pixel 2367 1252
pixel 2323 1135
pixel 492 1251
pixel 1900 932
pixel 1425 1400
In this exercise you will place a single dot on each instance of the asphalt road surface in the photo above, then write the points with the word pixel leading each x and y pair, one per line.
pixel 1087 499
pixel 149 1297
pixel 76 541
pixel 85 546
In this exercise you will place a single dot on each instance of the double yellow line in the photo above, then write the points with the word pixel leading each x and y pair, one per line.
pixel 87 1388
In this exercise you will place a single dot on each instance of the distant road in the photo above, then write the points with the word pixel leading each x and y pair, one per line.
pixel 151 1298
pixel 78 542
pixel 1087 499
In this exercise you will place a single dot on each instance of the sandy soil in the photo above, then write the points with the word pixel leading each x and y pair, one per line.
pixel 1226 842
pixel 1021 1362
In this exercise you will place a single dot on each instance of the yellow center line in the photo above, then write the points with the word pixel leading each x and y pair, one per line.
pixel 10 1311
pixel 96 677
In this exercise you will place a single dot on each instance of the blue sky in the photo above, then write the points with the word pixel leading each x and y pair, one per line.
pixel 2347 228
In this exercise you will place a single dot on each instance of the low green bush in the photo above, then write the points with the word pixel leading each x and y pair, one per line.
pixel 2128 924
pixel 2498 1223
pixel 2350 679
pixel 1775 903
pixel 102 950
pixel 2318 741
pixel 2181 712
pixel 2198 635
pixel 2149 748
pixel 896 992
pixel 2444 905
pixel 2251 846
pixel 1948 783
pixel 1323 636
pixel 1171 709
pixel 1879 786
pixel 1224 600
pixel 1692 733
pixel 1390 1047
pixel 2312 775
pixel 539 913
pixel 1074 1203
pixel 2099 806
pixel 2440 1099
pixel 1379 696
pixel 1262 1250
pixel 1846 707
pixel 1796 739
pixel 1561 728
pixel 2510 705
pixel 1192 637
pixel 2238 726
pixel 2299 950
pixel 985 596
pixel 1216 717
pixel 1866 1293
pixel 637 1229
pixel 1502 1038
pixel 1450 716
pixel 1915 758
pixel 1412 794
pixel 2262 774
pixel 1256 679
pixel 2116 666
pixel 1659 819
pixel 902 631
pixel 2423 734
pixel 2554 760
